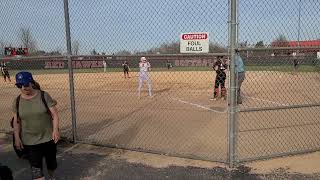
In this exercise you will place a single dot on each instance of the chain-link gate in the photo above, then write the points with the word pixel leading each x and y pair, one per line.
pixel 279 43
pixel 177 118
pixel 185 104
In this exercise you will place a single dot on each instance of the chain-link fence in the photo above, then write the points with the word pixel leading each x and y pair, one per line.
pixel 280 43
pixel 188 104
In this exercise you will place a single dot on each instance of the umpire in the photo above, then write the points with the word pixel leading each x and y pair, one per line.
pixel 240 74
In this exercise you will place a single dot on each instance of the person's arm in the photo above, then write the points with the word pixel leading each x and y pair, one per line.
pixel 215 66
pixel 236 62
pixel 55 122
pixel 16 131
pixel 225 65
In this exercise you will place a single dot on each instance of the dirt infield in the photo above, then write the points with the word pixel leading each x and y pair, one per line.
pixel 180 119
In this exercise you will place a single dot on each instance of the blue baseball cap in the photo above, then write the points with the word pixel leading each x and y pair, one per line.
pixel 23 77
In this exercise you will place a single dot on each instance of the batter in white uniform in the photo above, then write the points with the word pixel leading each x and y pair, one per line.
pixel 145 67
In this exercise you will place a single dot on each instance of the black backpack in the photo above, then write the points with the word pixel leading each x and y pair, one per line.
pixel 5 173
pixel 22 153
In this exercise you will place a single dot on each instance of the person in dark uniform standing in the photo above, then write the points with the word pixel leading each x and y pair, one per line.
pixel 169 65
pixel 126 69
pixel 220 68
pixel 295 65
pixel 5 72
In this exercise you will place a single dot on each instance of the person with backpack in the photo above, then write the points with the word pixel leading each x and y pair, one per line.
pixel 35 124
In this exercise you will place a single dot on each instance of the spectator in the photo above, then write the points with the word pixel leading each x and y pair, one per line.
pixel 35 129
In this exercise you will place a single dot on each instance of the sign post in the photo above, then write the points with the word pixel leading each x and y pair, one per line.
pixel 194 42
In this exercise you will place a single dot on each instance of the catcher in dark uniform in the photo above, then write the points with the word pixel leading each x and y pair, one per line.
pixel 5 72
pixel 220 68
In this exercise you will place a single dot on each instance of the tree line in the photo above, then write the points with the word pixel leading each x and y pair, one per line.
pixel 27 40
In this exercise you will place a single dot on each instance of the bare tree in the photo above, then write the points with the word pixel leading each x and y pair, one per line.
pixel 93 52
pixel 259 44
pixel 243 44
pixel 281 41
pixel 2 46
pixel 123 52
pixel 27 40
pixel 75 47
pixel 217 48
pixel 174 48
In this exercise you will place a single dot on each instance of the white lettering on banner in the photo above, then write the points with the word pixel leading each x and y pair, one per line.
pixel 54 65
pixel 194 36
pixel 194 42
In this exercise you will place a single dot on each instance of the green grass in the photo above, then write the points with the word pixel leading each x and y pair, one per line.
pixel 100 70
pixel 284 68
pixel 280 68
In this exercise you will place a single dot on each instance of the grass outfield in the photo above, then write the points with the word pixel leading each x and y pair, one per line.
pixel 284 68
pixel 280 68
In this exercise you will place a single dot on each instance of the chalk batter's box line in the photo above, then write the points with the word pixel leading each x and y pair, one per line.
pixel 268 101
pixel 199 106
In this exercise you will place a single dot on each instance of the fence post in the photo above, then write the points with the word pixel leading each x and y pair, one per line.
pixel 71 83
pixel 232 89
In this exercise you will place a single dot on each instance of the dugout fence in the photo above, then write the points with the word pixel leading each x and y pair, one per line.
pixel 98 104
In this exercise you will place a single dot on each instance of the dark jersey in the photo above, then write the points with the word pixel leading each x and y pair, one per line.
pixel 295 62
pixel 125 66
pixel 220 67
pixel 4 69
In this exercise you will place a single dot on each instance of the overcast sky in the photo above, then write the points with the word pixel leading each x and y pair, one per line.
pixel 137 25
